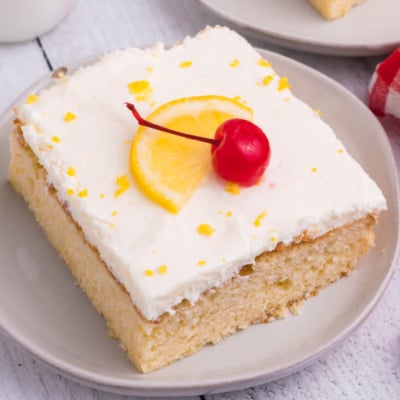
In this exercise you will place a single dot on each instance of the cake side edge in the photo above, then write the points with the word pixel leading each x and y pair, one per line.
pixel 261 292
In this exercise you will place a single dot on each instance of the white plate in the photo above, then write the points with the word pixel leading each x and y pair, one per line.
pixel 45 312
pixel 369 29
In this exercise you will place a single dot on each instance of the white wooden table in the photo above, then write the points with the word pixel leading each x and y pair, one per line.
pixel 365 366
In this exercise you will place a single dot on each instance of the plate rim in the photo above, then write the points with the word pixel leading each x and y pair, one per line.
pixel 147 388
pixel 294 42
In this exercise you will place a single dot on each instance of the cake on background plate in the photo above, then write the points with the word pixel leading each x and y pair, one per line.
pixel 169 283
pixel 333 9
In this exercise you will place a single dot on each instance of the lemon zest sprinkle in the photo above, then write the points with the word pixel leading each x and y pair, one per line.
pixel 201 263
pixel 71 171
pixel 137 87
pixel 205 229
pixel 235 63
pixel 283 84
pixel 148 272
pixel 267 80
pixel 123 184
pixel 83 193
pixel 263 63
pixel 70 192
pixel 232 188
pixel 185 64
pixel 162 269
pixel 260 217
pixel 69 116
pixel 32 98
pixel 140 89
pixel 56 139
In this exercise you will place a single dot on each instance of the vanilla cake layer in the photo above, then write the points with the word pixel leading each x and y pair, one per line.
pixel 302 227
pixel 333 9
pixel 278 281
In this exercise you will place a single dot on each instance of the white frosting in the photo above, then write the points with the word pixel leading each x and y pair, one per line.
pixel 311 184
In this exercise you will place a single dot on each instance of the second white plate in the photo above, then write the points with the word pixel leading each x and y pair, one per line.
pixel 369 29
pixel 43 310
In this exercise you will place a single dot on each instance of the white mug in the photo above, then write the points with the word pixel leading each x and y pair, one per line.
pixel 26 19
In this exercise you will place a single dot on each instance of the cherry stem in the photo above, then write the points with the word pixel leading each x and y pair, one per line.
pixel 149 124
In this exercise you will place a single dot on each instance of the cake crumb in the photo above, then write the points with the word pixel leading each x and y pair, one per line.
pixel 295 307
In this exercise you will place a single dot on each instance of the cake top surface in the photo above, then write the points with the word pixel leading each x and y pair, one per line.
pixel 81 133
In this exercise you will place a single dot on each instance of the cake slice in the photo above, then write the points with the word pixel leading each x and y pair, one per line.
pixel 333 9
pixel 166 287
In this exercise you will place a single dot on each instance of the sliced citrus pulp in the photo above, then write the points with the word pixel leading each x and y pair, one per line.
pixel 169 168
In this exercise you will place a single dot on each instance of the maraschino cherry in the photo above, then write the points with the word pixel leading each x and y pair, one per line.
pixel 240 149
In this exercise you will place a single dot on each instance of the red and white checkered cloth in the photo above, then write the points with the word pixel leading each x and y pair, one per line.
pixel 384 88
